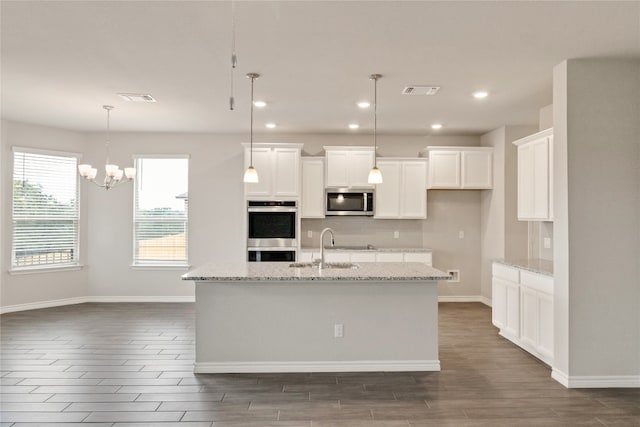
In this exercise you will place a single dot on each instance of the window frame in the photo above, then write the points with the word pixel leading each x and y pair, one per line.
pixel 164 264
pixel 54 267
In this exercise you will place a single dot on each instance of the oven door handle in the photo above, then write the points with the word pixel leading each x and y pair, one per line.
pixel 272 210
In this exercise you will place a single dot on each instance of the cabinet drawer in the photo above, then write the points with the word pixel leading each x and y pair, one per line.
pixel 424 257
pixel 507 273
pixel 390 257
pixel 537 282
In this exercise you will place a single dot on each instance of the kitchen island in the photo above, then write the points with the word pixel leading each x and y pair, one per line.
pixel 271 317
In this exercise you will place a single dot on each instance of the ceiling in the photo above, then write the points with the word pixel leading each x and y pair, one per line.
pixel 61 61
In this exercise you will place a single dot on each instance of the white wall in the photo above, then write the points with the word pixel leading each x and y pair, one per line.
pixel 502 235
pixel 25 289
pixel 597 221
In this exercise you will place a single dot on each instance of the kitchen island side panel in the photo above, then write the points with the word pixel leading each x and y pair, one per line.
pixel 289 326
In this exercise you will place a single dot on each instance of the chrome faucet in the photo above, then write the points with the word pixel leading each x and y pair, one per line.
pixel 321 265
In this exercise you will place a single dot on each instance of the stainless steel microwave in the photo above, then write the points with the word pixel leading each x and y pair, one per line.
pixel 348 201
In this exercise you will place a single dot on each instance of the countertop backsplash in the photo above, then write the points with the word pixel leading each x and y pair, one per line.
pixel 362 231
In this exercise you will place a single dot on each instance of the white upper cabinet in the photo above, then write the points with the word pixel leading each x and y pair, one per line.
pixel 402 195
pixel 312 202
pixel 460 168
pixel 278 167
pixel 535 177
pixel 348 167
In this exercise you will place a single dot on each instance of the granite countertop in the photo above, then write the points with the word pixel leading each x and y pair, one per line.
pixel 280 271
pixel 365 248
pixel 535 265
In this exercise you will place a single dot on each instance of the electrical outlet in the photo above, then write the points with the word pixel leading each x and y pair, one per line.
pixel 310 234
pixel 455 276
pixel 461 234
pixel 338 330
pixel 546 242
pixel 396 234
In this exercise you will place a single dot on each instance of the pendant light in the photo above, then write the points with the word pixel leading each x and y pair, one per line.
pixel 113 173
pixel 251 174
pixel 375 176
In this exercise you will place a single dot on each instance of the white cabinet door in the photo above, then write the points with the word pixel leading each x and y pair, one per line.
pixel 262 161
pixel 387 197
pixel 512 326
pixel 535 177
pixel 349 167
pixel 286 172
pixel 413 200
pixel 444 169
pixel 360 163
pixel 363 256
pixel 528 317
pixel 337 168
pixel 499 302
pixel 312 202
pixel 477 169
pixel 423 257
pixel 545 325
pixel 390 257
pixel 334 256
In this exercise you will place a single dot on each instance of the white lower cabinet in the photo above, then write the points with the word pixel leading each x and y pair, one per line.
pixel 426 257
pixel 522 308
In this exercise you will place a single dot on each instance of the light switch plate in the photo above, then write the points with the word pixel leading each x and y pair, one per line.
pixel 396 234
pixel 546 242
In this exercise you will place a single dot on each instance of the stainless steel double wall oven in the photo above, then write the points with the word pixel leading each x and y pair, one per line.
pixel 272 230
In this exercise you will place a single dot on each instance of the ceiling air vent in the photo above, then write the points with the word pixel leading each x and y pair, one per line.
pixel 137 97
pixel 420 90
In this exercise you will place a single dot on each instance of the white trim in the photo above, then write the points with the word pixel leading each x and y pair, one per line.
pixel 321 366
pixel 33 150
pixel 102 299
pixel 461 298
pixel 42 304
pixel 45 269
pixel 184 267
pixel 142 298
pixel 161 156
pixel 596 381
pixel 486 301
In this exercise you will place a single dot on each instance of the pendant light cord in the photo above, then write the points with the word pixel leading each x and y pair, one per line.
pixel 251 129
pixel 375 121
pixel 234 58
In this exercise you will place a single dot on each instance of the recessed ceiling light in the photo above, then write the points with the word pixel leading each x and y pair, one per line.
pixel 436 126
pixel 480 94
pixel 353 126
pixel 270 125
pixel 137 97
pixel 260 104
pixel 364 104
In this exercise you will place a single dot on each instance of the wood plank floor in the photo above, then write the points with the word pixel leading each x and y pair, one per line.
pixel 130 365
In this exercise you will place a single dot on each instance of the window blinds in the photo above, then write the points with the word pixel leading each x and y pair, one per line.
pixel 45 210
pixel 161 211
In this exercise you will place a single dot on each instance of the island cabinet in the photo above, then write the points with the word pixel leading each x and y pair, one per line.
pixel 522 308
pixel 535 176
pixel 348 167
pixel 278 167
pixel 312 199
pixel 402 195
pixel 459 168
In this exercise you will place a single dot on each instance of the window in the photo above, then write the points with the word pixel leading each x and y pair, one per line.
pixel 161 211
pixel 45 209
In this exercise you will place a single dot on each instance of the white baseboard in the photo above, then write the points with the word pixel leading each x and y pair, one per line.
pixel 332 366
pixel 42 304
pixel 461 298
pixel 143 298
pixel 81 300
pixel 596 381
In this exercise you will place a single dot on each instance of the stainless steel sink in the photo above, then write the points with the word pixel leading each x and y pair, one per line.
pixel 326 265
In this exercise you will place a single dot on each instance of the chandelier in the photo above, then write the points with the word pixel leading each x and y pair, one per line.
pixel 113 174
